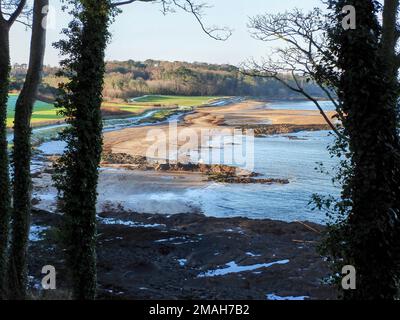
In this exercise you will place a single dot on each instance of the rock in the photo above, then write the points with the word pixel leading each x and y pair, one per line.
pixel 215 172
pixel 35 201
pixel 162 167
pixel 245 180
pixel 138 267
pixel 270 129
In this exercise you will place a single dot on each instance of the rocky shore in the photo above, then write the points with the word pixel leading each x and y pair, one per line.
pixel 271 129
pixel 214 172
pixel 189 256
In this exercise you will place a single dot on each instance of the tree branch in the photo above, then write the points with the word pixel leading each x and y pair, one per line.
pixel 190 7
pixel 14 16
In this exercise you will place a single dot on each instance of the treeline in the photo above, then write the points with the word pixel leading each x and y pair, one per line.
pixel 128 79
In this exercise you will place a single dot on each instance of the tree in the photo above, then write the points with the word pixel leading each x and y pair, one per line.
pixel 369 237
pixel 77 172
pixel 390 36
pixel 21 155
pixel 80 101
pixel 10 11
pixel 301 60
pixel 358 68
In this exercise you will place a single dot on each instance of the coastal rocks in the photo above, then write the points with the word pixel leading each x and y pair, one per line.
pixel 214 172
pixel 203 168
pixel 126 161
pixel 123 158
pixel 220 173
pixel 245 180
pixel 262 130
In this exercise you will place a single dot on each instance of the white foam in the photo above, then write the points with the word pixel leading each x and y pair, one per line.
pixel 128 223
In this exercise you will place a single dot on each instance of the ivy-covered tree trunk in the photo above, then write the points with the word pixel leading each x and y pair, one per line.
pixel 390 36
pixel 4 162
pixel 369 93
pixel 22 156
pixel 77 172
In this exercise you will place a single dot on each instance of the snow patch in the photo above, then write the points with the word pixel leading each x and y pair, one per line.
pixel 236 230
pixel 273 296
pixel 182 262
pixel 178 240
pixel 250 254
pixel 232 267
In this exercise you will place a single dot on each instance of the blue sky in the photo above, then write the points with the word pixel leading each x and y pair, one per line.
pixel 143 32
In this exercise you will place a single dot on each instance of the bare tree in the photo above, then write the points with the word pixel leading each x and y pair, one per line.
pixel 301 58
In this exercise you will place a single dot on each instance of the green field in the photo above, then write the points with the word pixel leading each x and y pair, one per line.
pixel 42 113
pixel 173 100
pixel 45 113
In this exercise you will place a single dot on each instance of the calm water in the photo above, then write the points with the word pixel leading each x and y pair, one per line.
pixel 300 105
pixel 276 157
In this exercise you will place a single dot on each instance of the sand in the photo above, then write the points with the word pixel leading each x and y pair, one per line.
pixel 138 140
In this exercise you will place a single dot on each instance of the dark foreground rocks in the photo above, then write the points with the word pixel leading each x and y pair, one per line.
pixel 189 256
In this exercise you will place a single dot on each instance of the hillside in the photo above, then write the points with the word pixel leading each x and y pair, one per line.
pixel 129 79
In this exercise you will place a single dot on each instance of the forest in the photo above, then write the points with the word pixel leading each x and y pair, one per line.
pixel 128 79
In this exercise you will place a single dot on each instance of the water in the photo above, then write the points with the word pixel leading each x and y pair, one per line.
pixel 300 105
pixel 276 157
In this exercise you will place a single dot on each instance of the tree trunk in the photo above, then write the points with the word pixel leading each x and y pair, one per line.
pixel 22 156
pixel 390 35
pixel 4 162
pixel 369 92
pixel 77 171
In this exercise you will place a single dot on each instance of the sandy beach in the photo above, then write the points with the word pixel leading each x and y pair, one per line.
pixel 135 141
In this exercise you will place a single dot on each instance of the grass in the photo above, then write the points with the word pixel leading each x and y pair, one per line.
pixel 46 113
pixel 173 100
pixel 125 106
pixel 42 113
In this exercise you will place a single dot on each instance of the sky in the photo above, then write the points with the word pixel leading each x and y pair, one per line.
pixel 142 32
